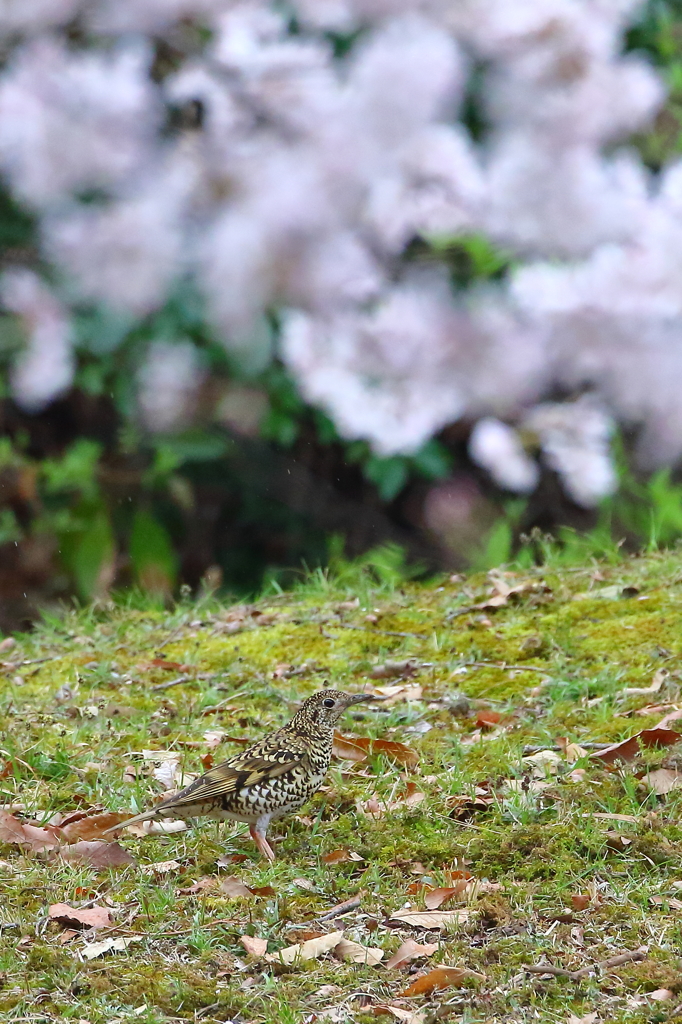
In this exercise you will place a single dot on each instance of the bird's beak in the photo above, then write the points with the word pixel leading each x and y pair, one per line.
pixel 358 698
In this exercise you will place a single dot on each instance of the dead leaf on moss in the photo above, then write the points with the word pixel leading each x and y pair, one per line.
pixel 394 694
pixel 664 780
pixel 399 1013
pixel 358 748
pixel 660 677
pixel 32 837
pixel 391 669
pixel 435 919
pixel 89 826
pixel 437 897
pixel 340 857
pixel 410 950
pixel 357 953
pixel 673 716
pixel 233 886
pixel 97 854
pixel 92 949
pixel 72 917
pixel 253 945
pixel 628 750
pixel 309 950
pixel 376 807
pixel 441 977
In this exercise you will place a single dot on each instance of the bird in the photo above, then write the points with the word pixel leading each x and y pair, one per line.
pixel 272 778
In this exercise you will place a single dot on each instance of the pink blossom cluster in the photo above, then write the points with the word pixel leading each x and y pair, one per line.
pixel 310 172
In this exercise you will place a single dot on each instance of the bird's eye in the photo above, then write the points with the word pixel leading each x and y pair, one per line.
pixel 328 702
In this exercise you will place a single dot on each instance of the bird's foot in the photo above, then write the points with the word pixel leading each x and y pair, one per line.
pixel 262 843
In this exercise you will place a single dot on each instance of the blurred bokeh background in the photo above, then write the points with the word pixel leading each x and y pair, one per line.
pixel 288 282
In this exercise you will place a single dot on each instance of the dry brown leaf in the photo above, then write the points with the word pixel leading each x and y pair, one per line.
pixel 357 953
pixel 72 917
pixel 32 837
pixel 309 950
pixel 410 950
pixel 350 748
pixel 98 855
pixel 375 807
pixel 163 867
pixel 664 780
pixel 253 945
pixel 391 669
pixel 340 857
pixel 661 994
pixel 233 886
pixel 201 885
pixel 441 977
pixel 89 826
pixel 581 901
pixel 431 918
pixel 437 897
pixel 628 750
pixel 667 719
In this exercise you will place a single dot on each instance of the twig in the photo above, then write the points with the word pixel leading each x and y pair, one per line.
pixel 603 965
pixel 371 629
pixel 173 682
pixel 339 911
pixel 555 746
pixel 504 665
pixel 183 679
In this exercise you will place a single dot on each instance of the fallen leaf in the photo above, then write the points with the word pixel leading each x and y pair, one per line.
pixel 488 719
pixel 92 917
pixel 351 747
pixel 90 826
pixel 33 837
pixel 391 669
pixel 92 949
pixel 304 883
pixel 400 1013
pixel 410 950
pixel 581 901
pixel 394 694
pixel 235 887
pixel 253 945
pixel 628 750
pixel 98 855
pixel 661 994
pixel 309 950
pixel 659 678
pixel 357 953
pixel 671 717
pixel 437 897
pixel 201 885
pixel 664 780
pixel 590 1018
pixel 441 977
pixel 375 807
pixel 431 918
pixel 340 857
pixel 163 867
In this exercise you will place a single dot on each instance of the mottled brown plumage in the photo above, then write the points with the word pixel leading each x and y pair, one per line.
pixel 272 778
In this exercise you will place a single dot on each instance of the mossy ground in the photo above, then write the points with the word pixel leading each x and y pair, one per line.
pixel 579 646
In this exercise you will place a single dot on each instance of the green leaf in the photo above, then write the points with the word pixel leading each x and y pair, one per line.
pixel 76 470
pixel 88 553
pixel 388 475
pixel 433 461
pixel 152 554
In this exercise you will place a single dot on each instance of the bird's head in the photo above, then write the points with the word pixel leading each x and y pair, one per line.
pixel 325 708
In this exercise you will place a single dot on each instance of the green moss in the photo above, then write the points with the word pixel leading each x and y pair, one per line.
pixel 572 653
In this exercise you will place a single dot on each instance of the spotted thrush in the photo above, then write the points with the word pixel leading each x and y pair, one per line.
pixel 272 778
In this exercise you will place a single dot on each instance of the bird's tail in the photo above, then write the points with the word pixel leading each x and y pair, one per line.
pixel 145 816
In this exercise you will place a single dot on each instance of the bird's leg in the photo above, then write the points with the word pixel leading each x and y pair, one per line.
pixel 257 833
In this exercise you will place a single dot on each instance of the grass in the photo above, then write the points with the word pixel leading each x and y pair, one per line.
pixel 73 723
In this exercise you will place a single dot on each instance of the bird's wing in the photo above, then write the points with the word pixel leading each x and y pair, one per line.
pixel 239 772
